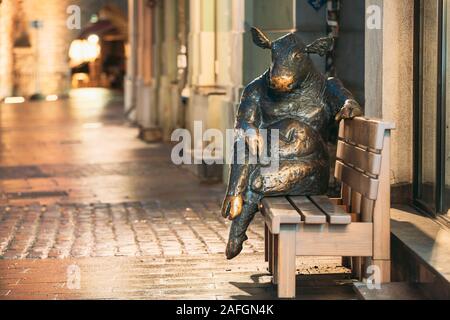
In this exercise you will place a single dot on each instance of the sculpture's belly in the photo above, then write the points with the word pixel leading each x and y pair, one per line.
pixel 302 177
pixel 303 166
pixel 298 140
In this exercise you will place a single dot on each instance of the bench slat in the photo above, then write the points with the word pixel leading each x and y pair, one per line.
pixel 334 213
pixel 308 210
pixel 359 182
pixel 279 211
pixel 361 131
pixel 327 240
pixel 364 160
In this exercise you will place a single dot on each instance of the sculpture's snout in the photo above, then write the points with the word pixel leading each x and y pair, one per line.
pixel 282 83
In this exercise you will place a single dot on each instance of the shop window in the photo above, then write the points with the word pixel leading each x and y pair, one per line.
pixel 432 99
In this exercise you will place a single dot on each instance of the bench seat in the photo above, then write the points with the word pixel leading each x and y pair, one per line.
pixel 320 229
pixel 316 210
pixel 356 226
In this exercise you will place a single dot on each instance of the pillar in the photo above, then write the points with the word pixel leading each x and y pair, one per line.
pixel 132 57
pixel 169 94
pixel 389 77
pixel 146 102
pixel 374 58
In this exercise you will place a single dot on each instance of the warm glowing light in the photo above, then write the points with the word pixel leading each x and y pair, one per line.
pixel 12 100
pixel 93 38
pixel 52 97
pixel 84 51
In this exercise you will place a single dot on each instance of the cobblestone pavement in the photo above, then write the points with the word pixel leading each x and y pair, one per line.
pixel 178 277
pixel 82 198
pixel 124 229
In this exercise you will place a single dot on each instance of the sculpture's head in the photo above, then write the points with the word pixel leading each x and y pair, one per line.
pixel 291 63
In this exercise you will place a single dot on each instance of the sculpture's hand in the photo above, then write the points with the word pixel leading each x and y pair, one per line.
pixel 350 110
pixel 255 143
pixel 232 207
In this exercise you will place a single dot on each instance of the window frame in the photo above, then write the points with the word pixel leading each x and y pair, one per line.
pixel 439 196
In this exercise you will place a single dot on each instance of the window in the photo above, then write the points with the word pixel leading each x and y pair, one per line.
pixel 432 134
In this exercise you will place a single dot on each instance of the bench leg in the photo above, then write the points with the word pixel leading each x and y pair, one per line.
pixel 270 238
pixel 347 262
pixel 286 270
pixel 357 271
pixel 266 243
pixel 274 257
pixel 385 270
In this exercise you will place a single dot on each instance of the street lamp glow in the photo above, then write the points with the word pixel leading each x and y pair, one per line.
pixel 14 100
pixel 52 97
pixel 84 50
pixel 93 38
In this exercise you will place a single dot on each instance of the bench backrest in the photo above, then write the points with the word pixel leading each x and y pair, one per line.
pixel 362 164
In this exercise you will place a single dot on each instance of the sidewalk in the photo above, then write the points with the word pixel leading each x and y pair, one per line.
pixel 80 193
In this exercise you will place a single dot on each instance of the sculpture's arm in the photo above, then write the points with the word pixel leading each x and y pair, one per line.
pixel 341 102
pixel 248 120
pixel 249 115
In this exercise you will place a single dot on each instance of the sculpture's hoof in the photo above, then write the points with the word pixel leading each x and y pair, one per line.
pixel 234 247
pixel 232 207
pixel 236 207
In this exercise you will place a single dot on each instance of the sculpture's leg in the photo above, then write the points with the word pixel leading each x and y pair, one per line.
pixel 238 183
pixel 239 226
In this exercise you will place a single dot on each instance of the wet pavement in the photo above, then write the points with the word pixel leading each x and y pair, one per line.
pixel 145 228
pixel 82 151
pixel 88 211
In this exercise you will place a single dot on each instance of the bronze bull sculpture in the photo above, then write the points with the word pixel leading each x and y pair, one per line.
pixel 293 97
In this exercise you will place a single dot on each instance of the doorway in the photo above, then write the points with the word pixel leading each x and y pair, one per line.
pixel 98 55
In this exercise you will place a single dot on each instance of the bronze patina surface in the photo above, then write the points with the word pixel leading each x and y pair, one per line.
pixel 295 98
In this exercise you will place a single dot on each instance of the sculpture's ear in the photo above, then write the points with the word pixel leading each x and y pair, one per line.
pixel 321 46
pixel 260 39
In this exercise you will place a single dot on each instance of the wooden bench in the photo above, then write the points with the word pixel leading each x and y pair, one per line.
pixel 355 226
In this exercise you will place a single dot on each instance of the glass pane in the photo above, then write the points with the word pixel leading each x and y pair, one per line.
pixel 429 101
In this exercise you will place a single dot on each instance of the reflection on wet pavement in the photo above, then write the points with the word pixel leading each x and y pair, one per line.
pixel 84 147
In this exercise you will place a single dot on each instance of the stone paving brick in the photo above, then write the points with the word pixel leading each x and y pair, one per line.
pixel 65 236
pixel 11 221
pixel 46 234
pixel 25 234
